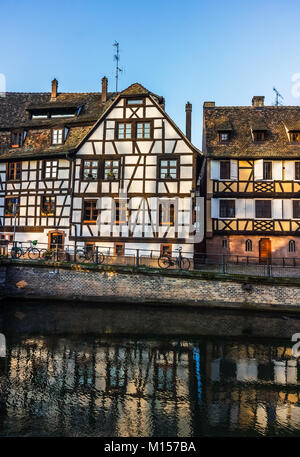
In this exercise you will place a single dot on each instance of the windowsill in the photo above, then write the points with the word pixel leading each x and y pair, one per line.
pixel 89 222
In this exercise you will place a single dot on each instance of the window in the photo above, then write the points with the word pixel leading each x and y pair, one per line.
pixel 227 208
pixel 111 169
pixel 50 169
pixel 259 135
pixel 166 214
pixel 248 247
pixel 225 243
pixel 135 101
pixel 90 170
pixel 267 170
pixel 14 171
pixel 143 130
pixel 57 136
pixel 224 136
pixel 90 211
pixel 122 212
pixel 295 136
pixel 119 248
pixel 297 170
pixel 17 138
pixel 166 249
pixel 48 206
pixel 292 246
pixel 168 169
pixel 263 209
pixel 225 169
pixel 296 209
pixel 11 205
pixel 124 130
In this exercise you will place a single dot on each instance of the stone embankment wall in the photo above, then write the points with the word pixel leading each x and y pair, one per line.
pixel 111 284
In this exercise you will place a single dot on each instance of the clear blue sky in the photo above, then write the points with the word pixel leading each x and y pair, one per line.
pixel 226 51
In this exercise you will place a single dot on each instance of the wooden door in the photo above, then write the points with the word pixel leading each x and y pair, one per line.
pixel 56 239
pixel 264 249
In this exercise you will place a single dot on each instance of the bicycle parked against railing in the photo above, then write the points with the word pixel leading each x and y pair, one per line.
pixel 19 251
pixel 89 255
pixel 167 261
pixel 55 254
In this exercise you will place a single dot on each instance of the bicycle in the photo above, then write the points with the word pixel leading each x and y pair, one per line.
pixel 55 254
pixel 83 255
pixel 32 252
pixel 166 261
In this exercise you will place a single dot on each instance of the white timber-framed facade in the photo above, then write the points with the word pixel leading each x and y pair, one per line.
pixel 103 169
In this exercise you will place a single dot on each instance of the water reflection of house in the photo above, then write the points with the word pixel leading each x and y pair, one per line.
pixel 253 387
pixel 132 389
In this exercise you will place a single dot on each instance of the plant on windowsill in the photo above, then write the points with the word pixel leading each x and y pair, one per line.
pixel 168 176
pixel 111 175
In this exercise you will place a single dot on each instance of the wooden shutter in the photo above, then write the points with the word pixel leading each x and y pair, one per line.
pixel 277 209
pixel 289 170
pixel 240 208
pixel 277 171
pixel 250 208
pixel 214 169
pixel 214 208
pixel 287 209
pixel 258 169
pixel 234 169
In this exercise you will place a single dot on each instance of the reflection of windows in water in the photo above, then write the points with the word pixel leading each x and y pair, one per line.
pixel 227 369
pixel 116 377
pixel 265 372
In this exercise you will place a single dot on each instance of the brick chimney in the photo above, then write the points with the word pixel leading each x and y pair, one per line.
pixel 188 124
pixel 104 90
pixel 54 89
pixel 258 101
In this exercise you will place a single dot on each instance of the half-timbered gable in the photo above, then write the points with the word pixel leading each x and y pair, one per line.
pixel 253 178
pixel 38 133
pixel 139 170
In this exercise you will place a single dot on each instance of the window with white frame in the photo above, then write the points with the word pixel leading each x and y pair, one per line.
pixel 57 136
pixel 50 169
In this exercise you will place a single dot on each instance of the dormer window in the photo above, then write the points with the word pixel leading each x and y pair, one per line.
pixel 259 135
pixel 224 137
pixel 17 138
pixel 294 136
pixel 57 136
pixel 135 101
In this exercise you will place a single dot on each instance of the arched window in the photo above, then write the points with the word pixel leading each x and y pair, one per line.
pixel 292 246
pixel 248 246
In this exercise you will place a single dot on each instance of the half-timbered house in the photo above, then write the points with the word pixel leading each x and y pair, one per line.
pixel 253 179
pixel 104 169
pixel 38 133
pixel 135 179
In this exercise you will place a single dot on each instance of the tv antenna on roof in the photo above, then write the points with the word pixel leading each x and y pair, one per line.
pixel 278 95
pixel 117 59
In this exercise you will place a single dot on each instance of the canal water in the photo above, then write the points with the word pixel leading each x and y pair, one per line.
pixel 102 381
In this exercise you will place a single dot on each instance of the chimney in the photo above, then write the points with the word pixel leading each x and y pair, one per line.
pixel 104 90
pixel 188 125
pixel 258 101
pixel 209 104
pixel 54 89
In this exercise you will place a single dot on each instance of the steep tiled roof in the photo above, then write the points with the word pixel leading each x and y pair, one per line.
pixel 15 106
pixel 276 120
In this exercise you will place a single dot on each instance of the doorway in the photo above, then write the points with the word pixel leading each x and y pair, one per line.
pixel 265 251
pixel 56 239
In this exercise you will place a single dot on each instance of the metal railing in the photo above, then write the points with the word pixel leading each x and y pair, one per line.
pixel 106 255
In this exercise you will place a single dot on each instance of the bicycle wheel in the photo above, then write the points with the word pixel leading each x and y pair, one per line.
pixel 46 255
pixel 100 257
pixel 34 254
pixel 16 253
pixel 80 255
pixel 164 262
pixel 61 256
pixel 185 263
